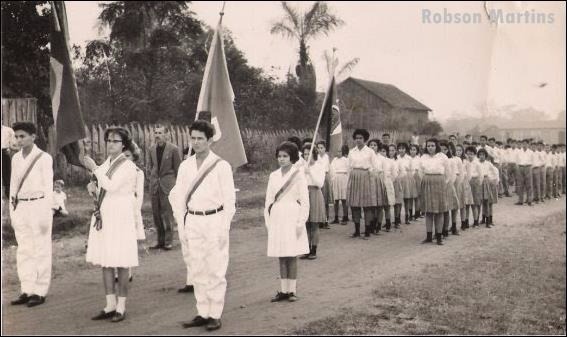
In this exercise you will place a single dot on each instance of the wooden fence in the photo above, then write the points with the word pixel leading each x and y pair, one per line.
pixel 19 110
pixel 258 144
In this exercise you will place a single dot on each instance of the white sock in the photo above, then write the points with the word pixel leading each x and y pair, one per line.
pixel 110 303
pixel 285 288
pixel 292 286
pixel 121 306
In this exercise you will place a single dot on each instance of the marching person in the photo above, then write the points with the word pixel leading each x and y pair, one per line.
pixel 536 172
pixel 327 190
pixel 31 190
pixel 203 203
pixel 285 213
pixel 315 177
pixel 433 168
pixel 163 164
pixel 339 181
pixel 361 195
pixel 112 241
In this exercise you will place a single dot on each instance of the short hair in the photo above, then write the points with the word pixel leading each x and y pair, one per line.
pixel 462 156
pixel 186 151
pixel 466 143
pixel 395 151
pixel 314 154
pixel 416 147
pixel 345 150
pixel 474 143
pixel 471 149
pixel 203 126
pixel 466 136
pixel 322 142
pixel 363 132
pixel 135 150
pixel 59 182
pixel 290 148
pixel 452 136
pixel 499 143
pixel 296 141
pixel 383 147
pixel 374 140
pixel 434 141
pixel 482 151
pixel 307 140
pixel 446 144
pixel 159 126
pixel 491 139
pixel 403 145
pixel 26 127
pixel 385 134
pixel 124 135
pixel 483 136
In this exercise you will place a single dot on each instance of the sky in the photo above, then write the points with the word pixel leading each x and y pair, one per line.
pixel 453 68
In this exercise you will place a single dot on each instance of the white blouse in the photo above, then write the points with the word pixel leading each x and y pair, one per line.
pixel 436 164
pixel 404 165
pixel 315 175
pixel 489 171
pixel 339 165
pixel 324 161
pixel 362 159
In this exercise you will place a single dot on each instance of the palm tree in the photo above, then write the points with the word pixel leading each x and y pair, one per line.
pixel 304 26
pixel 332 62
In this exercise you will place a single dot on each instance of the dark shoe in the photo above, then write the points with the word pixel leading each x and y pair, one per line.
pixel 463 226
pixel 345 219
pixel 445 233
pixel 529 203
pixel 197 321
pixel 439 238
pixel 131 278
pixel 454 230
pixel 118 317
pixel 23 299
pixel 214 324
pixel 104 315
pixel 304 256
pixel 355 235
pixel 280 297
pixel 158 246
pixel 326 226
pixel 429 238
pixel 336 221
pixel 519 203
pixel 168 247
pixel 35 300
pixel 407 220
pixel 475 224
pixel 321 225
pixel 483 221
pixel 292 297
pixel 311 257
pixel 186 289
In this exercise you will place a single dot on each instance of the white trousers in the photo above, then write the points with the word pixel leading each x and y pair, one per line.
pixel 32 222
pixel 184 252
pixel 207 238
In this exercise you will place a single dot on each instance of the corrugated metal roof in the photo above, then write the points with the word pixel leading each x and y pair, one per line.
pixel 390 93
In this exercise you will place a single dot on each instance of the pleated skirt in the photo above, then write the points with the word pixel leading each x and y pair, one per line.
pixel 398 191
pixel 467 193
pixel 434 193
pixel 361 192
pixel 476 189
pixel 409 187
pixel 452 198
pixel 316 205
pixel 488 191
pixel 327 189
pixel 381 195
pixel 340 184
pixel 419 200
pixel 390 192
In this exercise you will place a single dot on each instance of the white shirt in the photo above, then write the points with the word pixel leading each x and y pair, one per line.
pixel 404 165
pixel 493 152
pixel 472 168
pixel 297 192
pixel 562 159
pixel 59 200
pixel 40 179
pixel 436 164
pixel 8 137
pixel 489 171
pixel 217 189
pixel 390 168
pixel 457 167
pixel 316 175
pixel 339 165
pixel 362 159
pixel 324 161
pixel 525 157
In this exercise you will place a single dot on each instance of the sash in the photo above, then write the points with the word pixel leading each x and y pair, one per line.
pixel 21 182
pixel 102 194
pixel 282 190
pixel 197 182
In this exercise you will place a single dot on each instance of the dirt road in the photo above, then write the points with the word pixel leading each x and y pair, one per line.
pixel 343 276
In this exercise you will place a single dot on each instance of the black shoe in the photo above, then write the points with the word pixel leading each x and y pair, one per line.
pixel 118 317
pixel 445 233
pixel 280 297
pixel 312 257
pixel 336 221
pixel 35 300
pixel 429 238
pixel 355 235
pixel 131 278
pixel 439 238
pixel 168 247
pixel 158 246
pixel 214 324
pixel 186 289
pixel 22 299
pixel 104 315
pixel 519 203
pixel 345 219
pixel 304 256
pixel 197 321
pixel 454 230
pixel 326 226
pixel 366 237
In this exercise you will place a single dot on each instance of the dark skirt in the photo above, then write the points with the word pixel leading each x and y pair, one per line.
pixel 476 189
pixel 327 189
pixel 488 191
pixel 316 205
pixel 381 196
pixel 398 191
pixel 433 192
pixel 361 192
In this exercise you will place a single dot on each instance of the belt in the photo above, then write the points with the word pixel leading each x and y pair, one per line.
pixel 209 212
pixel 524 165
pixel 313 187
pixel 341 172
pixel 31 199
pixel 360 169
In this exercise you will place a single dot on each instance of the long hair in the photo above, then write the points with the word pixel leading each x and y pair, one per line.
pixel 434 141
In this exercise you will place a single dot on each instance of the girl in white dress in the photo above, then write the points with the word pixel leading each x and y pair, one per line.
pixel 339 181
pixel 389 174
pixel 112 237
pixel 396 180
pixel 285 213
pixel 415 157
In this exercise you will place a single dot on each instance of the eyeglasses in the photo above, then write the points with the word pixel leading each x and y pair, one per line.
pixel 113 141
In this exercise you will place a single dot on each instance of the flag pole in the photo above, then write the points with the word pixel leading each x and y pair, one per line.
pixel 318 122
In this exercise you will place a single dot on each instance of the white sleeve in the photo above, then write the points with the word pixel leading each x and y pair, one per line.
pixel 177 194
pixel 301 186
pixel 269 200
pixel 228 191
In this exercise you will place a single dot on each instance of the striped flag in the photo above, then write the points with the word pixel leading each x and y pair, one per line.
pixel 331 121
pixel 216 98
pixel 67 116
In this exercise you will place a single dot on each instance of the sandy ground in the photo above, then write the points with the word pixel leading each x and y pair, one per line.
pixel 344 275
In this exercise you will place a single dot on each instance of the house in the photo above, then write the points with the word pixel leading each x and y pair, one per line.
pixel 548 131
pixel 375 105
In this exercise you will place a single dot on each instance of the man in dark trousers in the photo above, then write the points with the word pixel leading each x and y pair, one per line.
pixel 163 163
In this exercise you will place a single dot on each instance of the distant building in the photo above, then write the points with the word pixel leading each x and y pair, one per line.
pixel 548 131
pixel 376 105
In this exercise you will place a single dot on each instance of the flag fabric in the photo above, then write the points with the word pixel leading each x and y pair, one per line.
pixel 216 99
pixel 67 116
pixel 331 128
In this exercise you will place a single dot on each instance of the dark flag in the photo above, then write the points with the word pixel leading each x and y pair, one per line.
pixel 216 100
pixel 67 116
pixel 331 128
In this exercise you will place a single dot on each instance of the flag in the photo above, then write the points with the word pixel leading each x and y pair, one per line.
pixel 331 121
pixel 216 98
pixel 67 116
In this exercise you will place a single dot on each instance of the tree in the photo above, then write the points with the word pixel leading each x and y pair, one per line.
pixel 316 21
pixel 332 63
pixel 432 128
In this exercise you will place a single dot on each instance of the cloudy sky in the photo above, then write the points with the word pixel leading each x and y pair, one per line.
pixel 454 68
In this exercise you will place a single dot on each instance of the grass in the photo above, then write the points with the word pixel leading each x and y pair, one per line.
pixel 515 286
